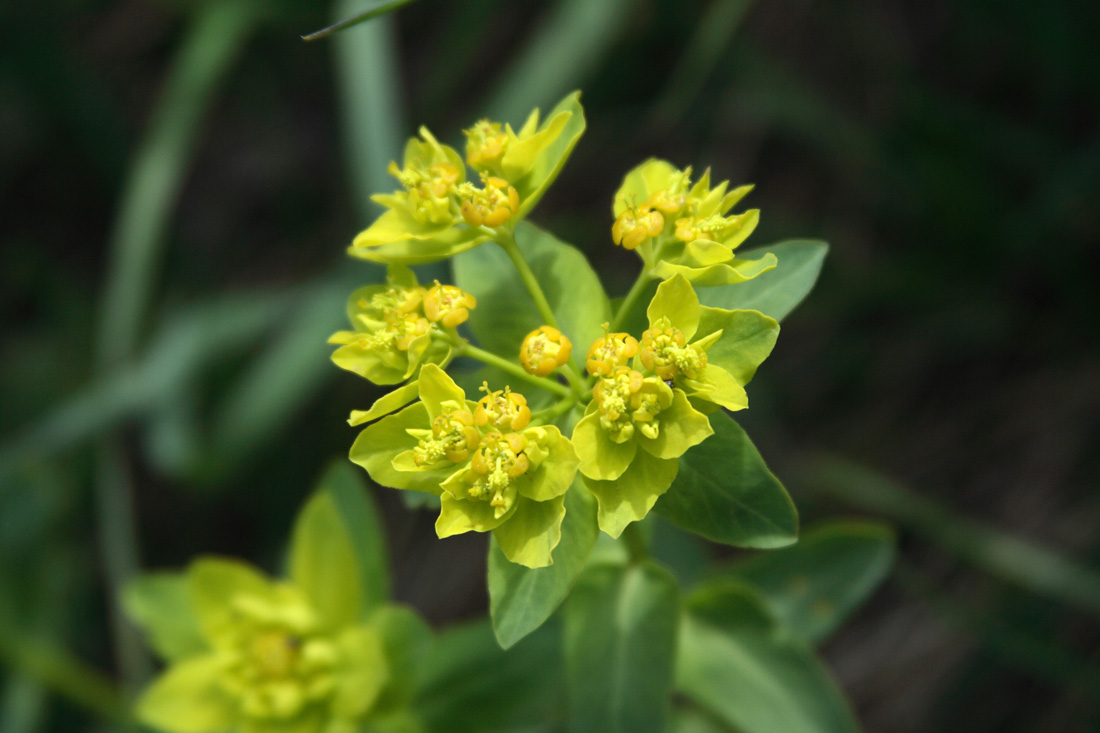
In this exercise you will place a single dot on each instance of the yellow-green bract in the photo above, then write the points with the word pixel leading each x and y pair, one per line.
pixel 490 469
pixel 710 353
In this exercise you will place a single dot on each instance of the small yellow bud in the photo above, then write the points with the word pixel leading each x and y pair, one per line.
pixel 503 409
pixel 448 304
pixel 609 352
pixel 666 353
pixel 635 225
pixel 486 144
pixel 544 350
pixel 690 228
pixel 405 327
pixel 489 206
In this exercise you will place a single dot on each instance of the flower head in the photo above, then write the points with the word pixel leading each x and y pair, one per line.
pixel 438 213
pixel 448 305
pixel 491 469
pixel 630 440
pixel 544 350
pixel 609 352
pixel 392 335
pixel 709 353
pixel 247 652
pixel 677 226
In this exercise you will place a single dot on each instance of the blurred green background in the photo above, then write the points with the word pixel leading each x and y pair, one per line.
pixel 180 179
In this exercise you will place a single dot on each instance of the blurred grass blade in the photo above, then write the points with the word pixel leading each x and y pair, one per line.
pixel 183 347
pixel 290 370
pixel 1031 567
pixel 566 49
pixel 702 53
pixel 370 104
pixel 159 169
pixel 212 43
pixel 61 673
pixel 23 705
pixel 356 19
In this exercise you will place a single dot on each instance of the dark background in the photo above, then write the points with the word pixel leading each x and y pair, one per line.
pixel 949 152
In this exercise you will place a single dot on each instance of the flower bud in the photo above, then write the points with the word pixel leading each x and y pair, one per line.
pixel 610 351
pixel 448 304
pixel 544 350
pixel 502 409
pixel 635 225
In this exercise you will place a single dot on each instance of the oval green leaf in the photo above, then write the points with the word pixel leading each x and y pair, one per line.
pixel 813 586
pixel 736 662
pixel 778 291
pixel 620 648
pixel 726 493
pixel 362 522
pixel 520 598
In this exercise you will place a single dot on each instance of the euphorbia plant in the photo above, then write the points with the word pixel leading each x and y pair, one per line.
pixel 588 415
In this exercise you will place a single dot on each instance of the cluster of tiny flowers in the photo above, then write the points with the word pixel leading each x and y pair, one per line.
pixel 674 209
pixel 628 399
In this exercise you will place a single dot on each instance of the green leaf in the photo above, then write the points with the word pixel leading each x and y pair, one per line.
pixel 189 698
pixel 386 404
pixel 521 599
pixel 675 300
pixel 363 673
pixel 629 497
pixel 505 313
pixel 777 292
pixel 364 526
pixel 214 583
pixel 812 586
pixel 620 647
pixel 379 443
pixel 747 339
pixel 736 661
pixel 323 564
pixel 161 604
pixel 472 686
pixel 397 238
pixel 726 493
pixel 551 159
pixel 691 720
pixel 407 643
pixel 532 531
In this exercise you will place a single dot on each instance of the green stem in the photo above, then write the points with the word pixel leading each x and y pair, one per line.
pixel 631 299
pixel 635 542
pixel 356 19
pixel 554 411
pixel 57 670
pixel 515 370
pixel 507 242
pixel 147 202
